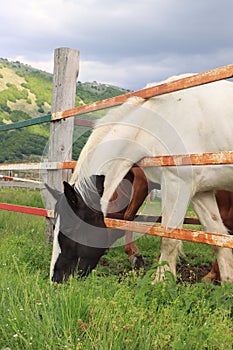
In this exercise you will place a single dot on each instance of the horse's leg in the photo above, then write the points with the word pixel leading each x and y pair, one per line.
pixel 205 206
pixel 139 193
pixel 174 205
pixel 213 275
pixel 134 255
pixel 225 206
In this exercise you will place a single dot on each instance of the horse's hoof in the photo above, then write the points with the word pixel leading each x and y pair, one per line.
pixel 160 274
pixel 209 278
pixel 137 261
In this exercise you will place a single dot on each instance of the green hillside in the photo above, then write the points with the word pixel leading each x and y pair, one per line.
pixel 25 93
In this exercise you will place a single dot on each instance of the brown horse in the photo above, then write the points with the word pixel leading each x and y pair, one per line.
pixel 126 201
pixel 130 195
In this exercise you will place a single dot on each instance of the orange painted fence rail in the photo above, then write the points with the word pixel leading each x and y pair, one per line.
pixel 224 72
pixel 210 158
pixel 216 239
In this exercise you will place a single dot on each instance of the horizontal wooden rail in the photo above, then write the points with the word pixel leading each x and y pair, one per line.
pixel 189 159
pixel 84 122
pixel 38 166
pixel 216 239
pixel 173 160
pixel 210 76
pixel 157 219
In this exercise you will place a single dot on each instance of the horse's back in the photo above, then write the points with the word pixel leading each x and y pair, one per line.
pixel 202 117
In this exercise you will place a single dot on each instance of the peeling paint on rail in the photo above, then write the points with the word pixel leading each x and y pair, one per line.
pixel 210 158
pixel 216 239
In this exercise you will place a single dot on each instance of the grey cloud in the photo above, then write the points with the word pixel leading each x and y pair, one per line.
pixel 150 38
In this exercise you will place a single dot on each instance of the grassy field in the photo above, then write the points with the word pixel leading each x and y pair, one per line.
pixel 115 307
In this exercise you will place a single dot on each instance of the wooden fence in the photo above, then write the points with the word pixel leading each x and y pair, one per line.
pixel 59 164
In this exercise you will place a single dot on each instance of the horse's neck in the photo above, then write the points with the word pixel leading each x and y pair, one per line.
pixel 111 150
pixel 89 156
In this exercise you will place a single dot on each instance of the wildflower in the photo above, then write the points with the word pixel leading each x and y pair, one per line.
pixel 82 325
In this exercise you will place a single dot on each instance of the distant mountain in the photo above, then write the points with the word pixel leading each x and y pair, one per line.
pixel 26 92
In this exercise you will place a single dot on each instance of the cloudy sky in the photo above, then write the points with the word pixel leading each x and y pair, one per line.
pixel 127 43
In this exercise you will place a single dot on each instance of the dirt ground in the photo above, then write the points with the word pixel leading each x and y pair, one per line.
pixel 185 271
pixel 191 274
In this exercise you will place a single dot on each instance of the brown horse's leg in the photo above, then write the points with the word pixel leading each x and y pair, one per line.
pixel 135 197
pixel 139 193
pixel 225 206
pixel 135 257
pixel 213 275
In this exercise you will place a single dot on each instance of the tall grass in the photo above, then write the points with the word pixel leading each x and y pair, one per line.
pixel 114 308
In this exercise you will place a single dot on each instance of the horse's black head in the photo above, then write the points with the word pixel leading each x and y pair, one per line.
pixel 80 236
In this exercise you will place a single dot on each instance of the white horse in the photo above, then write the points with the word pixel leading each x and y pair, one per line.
pixel 194 120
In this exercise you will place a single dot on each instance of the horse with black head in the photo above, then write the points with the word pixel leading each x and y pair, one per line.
pixel 74 216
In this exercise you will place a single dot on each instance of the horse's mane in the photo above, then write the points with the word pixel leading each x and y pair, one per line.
pixel 81 175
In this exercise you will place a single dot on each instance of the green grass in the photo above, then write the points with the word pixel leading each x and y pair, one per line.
pixel 21 197
pixel 114 308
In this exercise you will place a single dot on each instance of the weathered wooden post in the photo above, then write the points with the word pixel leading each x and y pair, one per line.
pixel 66 68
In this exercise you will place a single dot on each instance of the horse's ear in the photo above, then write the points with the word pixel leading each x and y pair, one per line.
pixel 70 193
pixel 99 183
pixel 55 193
